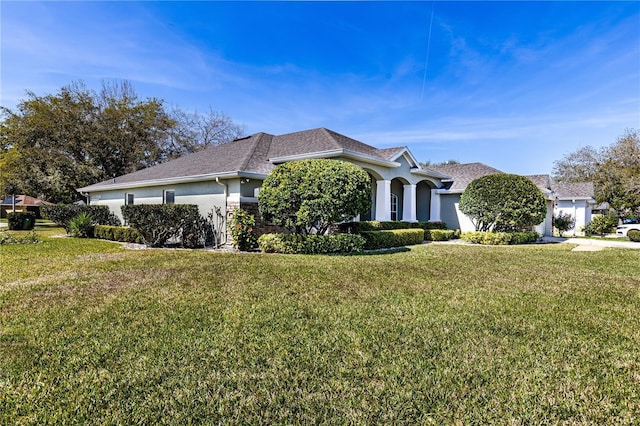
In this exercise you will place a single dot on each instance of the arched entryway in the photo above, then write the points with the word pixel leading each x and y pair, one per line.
pixel 423 200
pixel 398 199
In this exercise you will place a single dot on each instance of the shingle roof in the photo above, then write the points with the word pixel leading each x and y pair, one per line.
pixel 250 155
pixel 229 157
pixel 389 153
pixel 317 140
pixel 571 190
pixel 463 174
pixel 542 181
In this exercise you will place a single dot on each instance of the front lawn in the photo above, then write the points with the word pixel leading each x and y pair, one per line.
pixel 92 333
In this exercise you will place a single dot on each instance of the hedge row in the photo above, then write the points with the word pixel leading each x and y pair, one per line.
pixel 500 238
pixel 63 214
pixel 117 233
pixel 311 244
pixel 440 234
pixel 634 235
pixel 162 224
pixel 392 238
pixel 374 225
pixel 21 221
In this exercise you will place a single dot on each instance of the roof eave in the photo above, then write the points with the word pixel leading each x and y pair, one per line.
pixel 449 191
pixel 171 181
pixel 580 197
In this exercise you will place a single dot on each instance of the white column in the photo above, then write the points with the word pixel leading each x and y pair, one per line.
pixel 409 203
pixel 434 211
pixel 383 200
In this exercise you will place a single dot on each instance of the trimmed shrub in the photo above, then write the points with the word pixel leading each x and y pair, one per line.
pixel 503 203
pixel 21 221
pixel 123 234
pixel 63 214
pixel 81 226
pixel 392 238
pixel 242 224
pixel 159 224
pixel 563 222
pixel 500 238
pixel 440 234
pixel 374 225
pixel 524 237
pixel 634 235
pixel 309 196
pixel 601 225
pixel 310 244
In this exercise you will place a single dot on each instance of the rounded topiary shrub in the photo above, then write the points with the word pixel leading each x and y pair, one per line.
pixel 503 203
pixel 634 235
pixel 21 221
pixel 308 196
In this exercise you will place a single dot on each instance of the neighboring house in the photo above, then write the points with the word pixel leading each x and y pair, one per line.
pixel 576 199
pixel 21 203
pixel 229 176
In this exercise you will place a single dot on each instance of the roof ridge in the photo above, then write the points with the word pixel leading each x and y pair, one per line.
pixel 248 154
pixel 331 134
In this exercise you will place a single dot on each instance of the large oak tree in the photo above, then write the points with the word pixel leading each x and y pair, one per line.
pixel 52 144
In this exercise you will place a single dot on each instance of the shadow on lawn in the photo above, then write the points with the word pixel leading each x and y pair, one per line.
pixel 393 250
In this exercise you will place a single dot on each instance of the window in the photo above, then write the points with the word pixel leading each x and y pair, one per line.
pixel 394 207
pixel 169 197
pixel 128 199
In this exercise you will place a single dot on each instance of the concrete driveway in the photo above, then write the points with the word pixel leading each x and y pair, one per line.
pixel 586 244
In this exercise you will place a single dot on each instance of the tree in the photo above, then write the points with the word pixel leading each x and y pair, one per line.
pixel 194 131
pixel 430 163
pixel 309 196
pixel 503 202
pixel 614 171
pixel 51 145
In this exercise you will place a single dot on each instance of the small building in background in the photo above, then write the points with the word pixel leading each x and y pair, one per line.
pixel 21 203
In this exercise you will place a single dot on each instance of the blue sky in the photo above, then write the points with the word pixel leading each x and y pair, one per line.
pixel 515 85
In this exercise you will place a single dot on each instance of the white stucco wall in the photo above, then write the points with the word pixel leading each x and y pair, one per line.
pixel 580 210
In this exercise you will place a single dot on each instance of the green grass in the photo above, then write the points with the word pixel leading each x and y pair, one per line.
pixel 92 333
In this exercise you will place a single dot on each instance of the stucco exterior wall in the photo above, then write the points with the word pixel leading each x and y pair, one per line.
pixel 580 210
pixel 423 198
pixel 546 227
pixel 451 214
pixel 206 195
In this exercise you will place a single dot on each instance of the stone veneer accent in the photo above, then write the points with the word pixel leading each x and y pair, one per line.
pixel 262 227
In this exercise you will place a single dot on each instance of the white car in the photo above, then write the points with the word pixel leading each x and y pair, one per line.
pixel 628 225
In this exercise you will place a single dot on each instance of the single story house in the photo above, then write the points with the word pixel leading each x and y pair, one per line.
pixel 21 203
pixel 226 177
